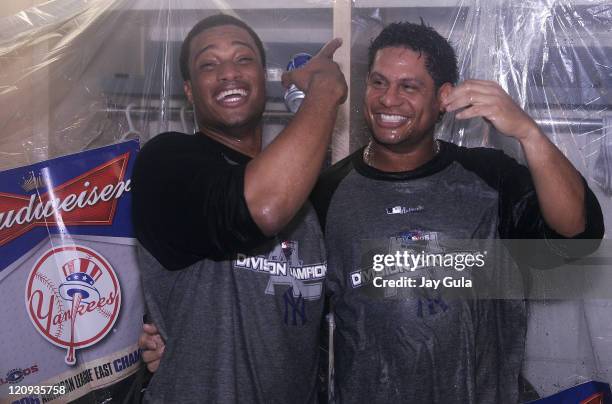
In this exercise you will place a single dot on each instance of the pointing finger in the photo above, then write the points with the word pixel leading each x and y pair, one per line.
pixel 329 48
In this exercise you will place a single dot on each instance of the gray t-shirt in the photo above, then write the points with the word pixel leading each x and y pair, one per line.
pixel 240 313
pixel 422 346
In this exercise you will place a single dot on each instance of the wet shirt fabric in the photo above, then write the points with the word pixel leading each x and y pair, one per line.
pixel 240 313
pixel 425 347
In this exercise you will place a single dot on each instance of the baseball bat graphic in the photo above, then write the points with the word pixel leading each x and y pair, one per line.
pixel 81 275
pixel 76 301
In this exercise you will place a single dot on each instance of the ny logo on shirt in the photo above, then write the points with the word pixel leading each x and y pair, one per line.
pixel 431 306
pixel 294 305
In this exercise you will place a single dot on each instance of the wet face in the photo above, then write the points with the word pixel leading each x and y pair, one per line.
pixel 401 104
pixel 227 84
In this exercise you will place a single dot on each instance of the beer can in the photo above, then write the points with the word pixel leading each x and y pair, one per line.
pixel 293 95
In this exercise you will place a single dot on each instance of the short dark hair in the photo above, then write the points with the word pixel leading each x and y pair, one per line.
pixel 440 58
pixel 211 22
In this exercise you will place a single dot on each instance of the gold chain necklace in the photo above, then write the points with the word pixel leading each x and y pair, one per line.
pixel 367 152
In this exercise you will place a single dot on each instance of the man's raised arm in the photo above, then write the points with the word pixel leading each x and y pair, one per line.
pixel 279 179
pixel 559 186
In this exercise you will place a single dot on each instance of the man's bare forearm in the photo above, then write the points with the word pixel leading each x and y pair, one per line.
pixel 558 185
pixel 279 179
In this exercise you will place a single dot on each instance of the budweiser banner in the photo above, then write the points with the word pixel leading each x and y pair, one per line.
pixel 69 285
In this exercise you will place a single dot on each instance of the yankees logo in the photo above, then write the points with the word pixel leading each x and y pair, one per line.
pixel 73 298
pixel 295 306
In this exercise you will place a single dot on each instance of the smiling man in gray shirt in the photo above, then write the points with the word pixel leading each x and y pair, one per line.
pixel 406 191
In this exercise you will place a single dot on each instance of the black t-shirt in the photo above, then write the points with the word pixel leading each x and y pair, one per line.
pixel 178 180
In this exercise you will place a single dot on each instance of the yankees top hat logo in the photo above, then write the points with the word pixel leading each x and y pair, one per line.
pixel 73 297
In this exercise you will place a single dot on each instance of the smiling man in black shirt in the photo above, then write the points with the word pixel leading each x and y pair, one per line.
pixel 232 260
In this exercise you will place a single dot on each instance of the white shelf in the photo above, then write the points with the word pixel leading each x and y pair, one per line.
pixel 267 35
pixel 223 5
